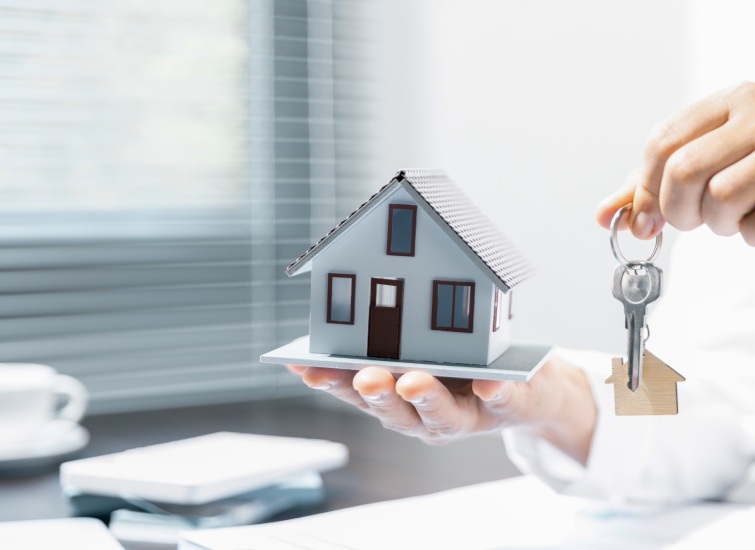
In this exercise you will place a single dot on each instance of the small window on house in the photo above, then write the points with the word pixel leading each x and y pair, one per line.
pixel 341 290
pixel 453 306
pixel 385 295
pixel 497 309
pixel 402 225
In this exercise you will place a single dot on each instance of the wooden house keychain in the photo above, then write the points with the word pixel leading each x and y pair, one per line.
pixel 651 386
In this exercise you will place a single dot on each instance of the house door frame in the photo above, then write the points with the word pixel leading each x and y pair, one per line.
pixel 384 332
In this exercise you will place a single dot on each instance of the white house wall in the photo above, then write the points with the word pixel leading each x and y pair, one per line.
pixel 361 250
pixel 500 339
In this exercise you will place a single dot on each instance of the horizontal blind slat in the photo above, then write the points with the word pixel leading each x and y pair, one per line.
pixel 171 159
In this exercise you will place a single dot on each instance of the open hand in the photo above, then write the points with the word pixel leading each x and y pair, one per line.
pixel 698 168
pixel 557 403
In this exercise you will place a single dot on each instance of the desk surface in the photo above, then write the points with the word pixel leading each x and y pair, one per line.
pixel 383 465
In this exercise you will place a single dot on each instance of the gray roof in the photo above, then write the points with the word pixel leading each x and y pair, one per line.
pixel 472 231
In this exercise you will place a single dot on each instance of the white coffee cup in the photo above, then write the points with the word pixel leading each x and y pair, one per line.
pixel 29 395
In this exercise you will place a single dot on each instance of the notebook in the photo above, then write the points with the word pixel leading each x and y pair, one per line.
pixel 201 469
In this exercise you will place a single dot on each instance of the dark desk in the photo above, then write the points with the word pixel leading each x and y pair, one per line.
pixel 383 465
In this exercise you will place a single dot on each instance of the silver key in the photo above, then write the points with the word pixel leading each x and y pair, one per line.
pixel 636 286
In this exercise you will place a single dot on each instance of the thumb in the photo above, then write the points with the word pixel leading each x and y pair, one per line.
pixel 611 204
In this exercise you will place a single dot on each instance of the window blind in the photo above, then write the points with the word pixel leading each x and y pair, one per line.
pixel 160 164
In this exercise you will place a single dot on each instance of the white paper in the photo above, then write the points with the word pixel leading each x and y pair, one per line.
pixel 57 534
pixel 735 531
pixel 518 513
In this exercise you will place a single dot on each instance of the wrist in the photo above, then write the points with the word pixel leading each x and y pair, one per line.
pixel 571 420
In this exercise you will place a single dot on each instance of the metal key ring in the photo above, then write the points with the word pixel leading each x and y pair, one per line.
pixel 615 241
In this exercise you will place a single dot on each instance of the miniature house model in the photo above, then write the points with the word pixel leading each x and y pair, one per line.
pixel 416 273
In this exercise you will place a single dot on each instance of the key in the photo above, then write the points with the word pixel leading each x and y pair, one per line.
pixel 636 286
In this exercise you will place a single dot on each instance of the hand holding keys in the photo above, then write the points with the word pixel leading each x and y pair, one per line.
pixel 636 284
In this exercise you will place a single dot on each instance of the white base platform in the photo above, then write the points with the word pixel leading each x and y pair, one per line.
pixel 518 363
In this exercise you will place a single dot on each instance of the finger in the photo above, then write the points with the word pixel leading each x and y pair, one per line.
pixel 488 390
pixel 747 228
pixel 646 219
pixel 436 406
pixel 509 400
pixel 609 206
pixel 377 388
pixel 296 369
pixel 730 196
pixel 336 382
pixel 688 170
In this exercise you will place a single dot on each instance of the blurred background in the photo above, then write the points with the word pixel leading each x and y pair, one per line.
pixel 162 162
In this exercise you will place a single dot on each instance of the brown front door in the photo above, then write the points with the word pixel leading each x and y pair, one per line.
pixel 386 300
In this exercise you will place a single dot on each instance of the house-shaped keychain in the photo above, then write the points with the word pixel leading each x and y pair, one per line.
pixel 416 278
pixel 656 395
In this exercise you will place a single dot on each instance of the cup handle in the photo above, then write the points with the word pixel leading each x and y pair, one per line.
pixel 78 398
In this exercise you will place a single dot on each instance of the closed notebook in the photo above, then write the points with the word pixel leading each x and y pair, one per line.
pixel 201 469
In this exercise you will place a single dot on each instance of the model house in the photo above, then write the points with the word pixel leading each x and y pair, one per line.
pixel 416 273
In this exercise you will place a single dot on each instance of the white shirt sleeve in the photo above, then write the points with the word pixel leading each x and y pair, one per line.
pixel 709 337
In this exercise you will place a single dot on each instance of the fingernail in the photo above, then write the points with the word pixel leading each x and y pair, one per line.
pixel 494 397
pixel 323 386
pixel 375 399
pixel 643 225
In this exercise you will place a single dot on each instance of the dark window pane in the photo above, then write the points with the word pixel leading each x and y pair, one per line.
pixel 445 306
pixel 461 309
pixel 340 300
pixel 402 225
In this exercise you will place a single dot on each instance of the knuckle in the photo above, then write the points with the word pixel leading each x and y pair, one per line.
pixel 719 205
pixel 682 169
pixel 662 141
pixel 722 190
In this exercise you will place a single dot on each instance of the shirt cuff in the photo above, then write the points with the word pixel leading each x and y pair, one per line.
pixel 616 440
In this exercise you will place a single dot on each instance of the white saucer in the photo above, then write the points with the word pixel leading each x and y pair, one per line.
pixel 54 441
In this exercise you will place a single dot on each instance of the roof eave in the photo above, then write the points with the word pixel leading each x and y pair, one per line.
pixel 303 264
pixel 453 235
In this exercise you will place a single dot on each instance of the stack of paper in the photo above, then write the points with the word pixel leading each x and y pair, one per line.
pixel 518 513
pixel 217 480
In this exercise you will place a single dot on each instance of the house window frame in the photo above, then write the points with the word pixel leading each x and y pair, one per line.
pixel 413 209
pixel 455 284
pixel 353 278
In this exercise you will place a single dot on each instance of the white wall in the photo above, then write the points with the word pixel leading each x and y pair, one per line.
pixel 538 108
pixel 722 43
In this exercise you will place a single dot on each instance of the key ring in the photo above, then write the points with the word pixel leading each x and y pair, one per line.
pixel 615 241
